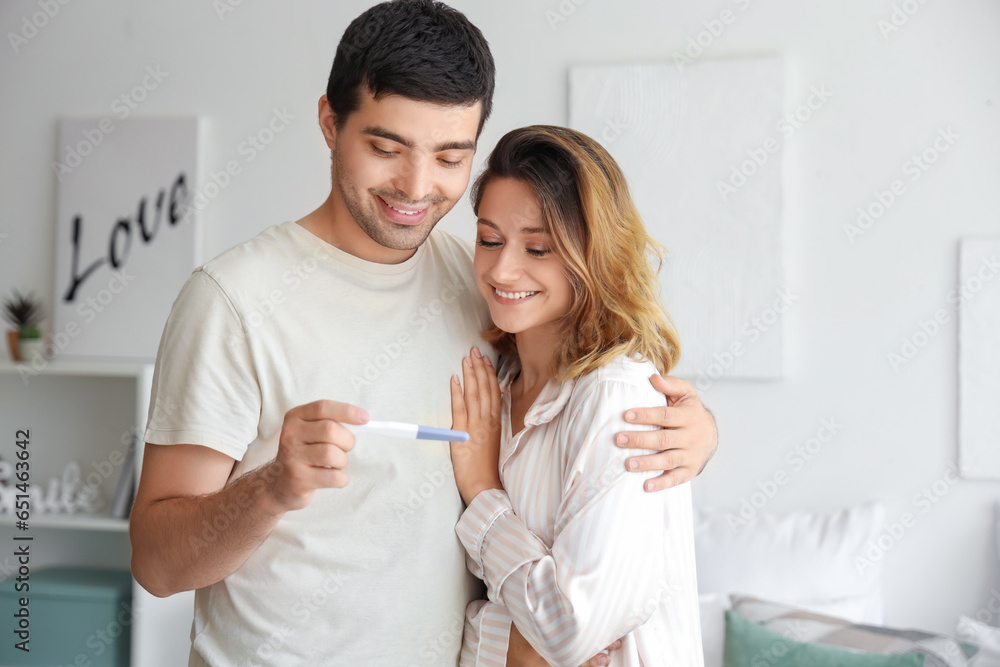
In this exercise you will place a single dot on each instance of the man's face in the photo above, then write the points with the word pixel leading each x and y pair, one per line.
pixel 401 164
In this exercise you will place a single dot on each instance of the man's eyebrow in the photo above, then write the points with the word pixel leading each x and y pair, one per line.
pixel 524 230
pixel 376 131
pixel 467 145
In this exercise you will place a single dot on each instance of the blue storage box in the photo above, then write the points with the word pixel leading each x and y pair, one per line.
pixel 76 616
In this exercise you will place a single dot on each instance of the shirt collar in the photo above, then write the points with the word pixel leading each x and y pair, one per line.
pixel 551 400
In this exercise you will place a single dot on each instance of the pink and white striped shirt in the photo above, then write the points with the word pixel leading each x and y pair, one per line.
pixel 573 551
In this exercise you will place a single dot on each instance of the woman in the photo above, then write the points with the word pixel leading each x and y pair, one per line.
pixel 570 547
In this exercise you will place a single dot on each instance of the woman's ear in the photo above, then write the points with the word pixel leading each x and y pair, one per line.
pixel 327 122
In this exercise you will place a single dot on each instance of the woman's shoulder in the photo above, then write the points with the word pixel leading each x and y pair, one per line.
pixel 620 369
pixel 623 376
pixel 595 411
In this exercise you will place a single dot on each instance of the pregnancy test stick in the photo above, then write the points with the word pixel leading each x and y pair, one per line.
pixel 412 431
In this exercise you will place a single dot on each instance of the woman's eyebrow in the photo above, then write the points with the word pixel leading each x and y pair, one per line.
pixel 524 230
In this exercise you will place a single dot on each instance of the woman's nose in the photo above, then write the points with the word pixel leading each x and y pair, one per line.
pixel 507 268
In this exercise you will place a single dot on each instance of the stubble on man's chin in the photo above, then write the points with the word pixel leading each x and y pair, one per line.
pixel 397 239
pixel 401 238
pixel 385 233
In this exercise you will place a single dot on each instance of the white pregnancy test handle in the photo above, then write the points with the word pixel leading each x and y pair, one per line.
pixel 410 431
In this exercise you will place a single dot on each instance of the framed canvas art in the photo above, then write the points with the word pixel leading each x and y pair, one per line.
pixel 127 236
pixel 701 146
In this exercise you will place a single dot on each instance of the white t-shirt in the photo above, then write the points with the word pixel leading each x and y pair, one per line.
pixel 372 573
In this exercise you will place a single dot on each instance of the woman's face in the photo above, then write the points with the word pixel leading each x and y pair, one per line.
pixel 518 272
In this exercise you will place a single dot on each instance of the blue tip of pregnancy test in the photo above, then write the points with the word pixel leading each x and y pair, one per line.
pixel 431 433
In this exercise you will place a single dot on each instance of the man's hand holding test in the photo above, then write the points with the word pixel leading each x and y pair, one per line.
pixel 185 487
pixel 312 451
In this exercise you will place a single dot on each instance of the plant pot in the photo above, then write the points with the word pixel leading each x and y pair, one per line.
pixel 13 340
pixel 32 349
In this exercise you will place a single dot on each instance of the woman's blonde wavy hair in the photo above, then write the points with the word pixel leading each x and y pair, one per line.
pixel 597 232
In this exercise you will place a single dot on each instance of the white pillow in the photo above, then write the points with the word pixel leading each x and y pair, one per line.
pixel 827 562
pixel 986 637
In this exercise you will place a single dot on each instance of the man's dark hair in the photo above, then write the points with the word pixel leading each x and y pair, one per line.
pixel 419 49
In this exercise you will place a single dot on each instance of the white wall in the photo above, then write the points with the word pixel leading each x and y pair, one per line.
pixel 855 301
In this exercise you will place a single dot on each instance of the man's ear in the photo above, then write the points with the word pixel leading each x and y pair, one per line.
pixel 327 122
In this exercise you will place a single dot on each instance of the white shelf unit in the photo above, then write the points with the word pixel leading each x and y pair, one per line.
pixel 90 408
pixel 83 411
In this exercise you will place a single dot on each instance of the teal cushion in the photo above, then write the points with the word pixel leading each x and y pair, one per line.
pixel 751 645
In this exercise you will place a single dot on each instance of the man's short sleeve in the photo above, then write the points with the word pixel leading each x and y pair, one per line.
pixel 205 389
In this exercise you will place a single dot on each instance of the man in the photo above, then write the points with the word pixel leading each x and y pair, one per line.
pixel 308 544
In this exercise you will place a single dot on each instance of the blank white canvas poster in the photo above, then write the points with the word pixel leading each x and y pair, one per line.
pixel 979 358
pixel 126 235
pixel 702 149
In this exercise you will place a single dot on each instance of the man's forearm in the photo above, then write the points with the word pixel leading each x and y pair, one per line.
pixel 181 544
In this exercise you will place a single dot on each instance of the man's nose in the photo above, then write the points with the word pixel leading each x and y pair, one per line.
pixel 414 179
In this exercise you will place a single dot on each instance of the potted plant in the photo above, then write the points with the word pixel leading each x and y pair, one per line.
pixel 23 313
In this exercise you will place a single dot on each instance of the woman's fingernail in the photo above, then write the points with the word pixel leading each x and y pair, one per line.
pixel 476 352
pixel 454 379
pixel 622 439
pixel 468 361
pixel 630 416
pixel 488 362
pixel 649 486
pixel 633 464
pixel 363 416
